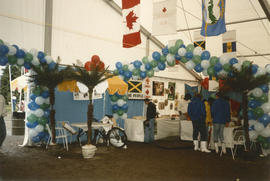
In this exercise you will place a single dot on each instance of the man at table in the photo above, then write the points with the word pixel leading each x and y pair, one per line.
pixel 220 111
pixel 150 121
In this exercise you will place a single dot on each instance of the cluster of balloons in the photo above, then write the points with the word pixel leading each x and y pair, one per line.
pixel 119 106
pixel 39 113
pixel 13 55
pixel 94 64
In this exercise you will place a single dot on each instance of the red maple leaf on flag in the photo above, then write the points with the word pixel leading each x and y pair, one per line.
pixel 131 18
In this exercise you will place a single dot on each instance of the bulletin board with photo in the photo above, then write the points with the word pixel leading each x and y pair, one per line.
pixel 158 88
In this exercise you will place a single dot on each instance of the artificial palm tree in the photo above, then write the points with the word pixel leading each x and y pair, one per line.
pixel 90 79
pixel 49 76
pixel 243 81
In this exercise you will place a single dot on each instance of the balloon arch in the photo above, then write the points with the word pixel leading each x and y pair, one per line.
pixel 194 59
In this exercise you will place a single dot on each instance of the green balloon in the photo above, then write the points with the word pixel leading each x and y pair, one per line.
pixel 265 145
pixel 42 120
pixel 125 67
pixel 115 72
pixel 260 139
pixel 114 98
pixel 246 64
pixel 44 106
pixel 120 112
pixel 153 63
pixel 184 60
pixel 211 71
pixel 136 72
pixel 114 111
pixel 150 73
pixel 258 112
pixel 251 98
pixel 125 97
pixel 196 59
pixel 190 48
pixel 227 67
pixel 179 43
pixel 32 118
pixel 28 57
pixel 171 63
pixel 213 60
pixel 173 50
pixel 263 98
pixel 12 60
pixel 162 59
pixel 1 42
pixel 37 91
pixel 145 60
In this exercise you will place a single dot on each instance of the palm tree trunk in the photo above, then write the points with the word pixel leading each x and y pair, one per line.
pixel 245 116
pixel 90 116
pixel 52 113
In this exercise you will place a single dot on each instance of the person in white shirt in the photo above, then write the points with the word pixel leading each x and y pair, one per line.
pixel 183 106
pixel 2 121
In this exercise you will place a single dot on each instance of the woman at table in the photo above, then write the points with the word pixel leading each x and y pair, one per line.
pixel 220 111
pixel 196 111
pixel 149 124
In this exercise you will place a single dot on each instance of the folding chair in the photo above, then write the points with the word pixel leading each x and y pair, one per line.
pixel 60 134
pixel 62 124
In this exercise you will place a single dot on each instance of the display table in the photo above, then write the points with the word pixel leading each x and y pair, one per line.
pixel 186 131
pixel 134 129
pixel 167 127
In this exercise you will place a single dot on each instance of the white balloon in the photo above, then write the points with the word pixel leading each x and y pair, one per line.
pixel 251 122
pixel 47 100
pixel 124 116
pixel 39 128
pixel 265 132
pixel 260 71
pixel 190 65
pixel 238 66
pixel 156 69
pixel 204 72
pixel 39 113
pixel 222 73
pixel 34 52
pixel 121 77
pixel 267 68
pixel 257 92
pixel 205 64
pixel 223 59
pixel 49 59
pixel 253 135
pixel 32 133
pixel 170 58
pixel 115 116
pixel 258 126
pixel 12 50
pixel 135 77
pixel 197 51
pixel 35 61
pixel 120 102
pixel 83 88
pixel 182 51
pixel 142 68
pixel 39 100
pixel 20 61
pixel 131 67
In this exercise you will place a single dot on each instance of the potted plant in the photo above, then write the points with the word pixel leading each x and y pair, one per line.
pixel 92 74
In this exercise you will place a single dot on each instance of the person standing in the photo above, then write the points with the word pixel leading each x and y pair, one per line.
pixel 149 128
pixel 196 111
pixel 220 111
pixel 2 121
pixel 183 107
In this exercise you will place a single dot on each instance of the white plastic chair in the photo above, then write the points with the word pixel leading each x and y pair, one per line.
pixel 60 134
pixel 60 125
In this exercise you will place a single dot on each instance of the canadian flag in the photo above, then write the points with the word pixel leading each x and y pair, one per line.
pixel 131 11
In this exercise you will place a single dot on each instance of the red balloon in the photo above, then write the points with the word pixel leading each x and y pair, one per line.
pixel 92 66
pixel 100 66
pixel 95 59
pixel 87 65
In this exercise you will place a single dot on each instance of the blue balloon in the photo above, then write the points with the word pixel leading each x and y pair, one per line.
pixel 251 115
pixel 46 137
pixel 31 125
pixel 118 65
pixel 137 64
pixel 233 61
pixel 33 97
pixel 165 51
pixel 115 107
pixel 33 106
pixel 265 119
pixel 205 55
pixel 182 46
pixel 125 107
pixel 251 128
pixel 52 65
pixel 264 88
pixel 43 60
pixel 128 74
pixel 148 66
pixel 42 134
pixel 253 104
pixel 27 65
pixel 40 55
pixel 44 94
pixel 20 53
pixel 15 46
pixel 177 56
pixel 189 55
pixel 3 60
pixel 143 74
pixel 46 113
pixel 36 139
pixel 198 68
pixel 254 68
pixel 161 66
pixel 3 49
pixel 218 67
pixel 121 71
pixel 156 55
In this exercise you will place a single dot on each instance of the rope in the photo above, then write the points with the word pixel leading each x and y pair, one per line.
pixel 186 20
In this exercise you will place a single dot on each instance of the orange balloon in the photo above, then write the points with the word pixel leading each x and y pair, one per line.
pixel 95 59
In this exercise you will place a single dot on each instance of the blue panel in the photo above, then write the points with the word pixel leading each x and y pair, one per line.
pixel 135 108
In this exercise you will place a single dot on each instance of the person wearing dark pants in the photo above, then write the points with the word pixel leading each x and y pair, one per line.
pixel 2 121
pixel 149 124
pixel 196 111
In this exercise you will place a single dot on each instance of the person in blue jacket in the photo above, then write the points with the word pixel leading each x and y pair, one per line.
pixel 220 111
pixel 197 114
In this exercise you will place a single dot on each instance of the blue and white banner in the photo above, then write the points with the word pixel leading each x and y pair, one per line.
pixel 213 13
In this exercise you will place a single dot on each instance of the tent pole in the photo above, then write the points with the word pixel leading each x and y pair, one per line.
pixel 9 71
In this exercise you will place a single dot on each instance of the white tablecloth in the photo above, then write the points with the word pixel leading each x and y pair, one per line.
pixel 166 128
pixel 134 130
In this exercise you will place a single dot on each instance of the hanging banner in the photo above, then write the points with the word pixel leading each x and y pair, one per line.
pixel 135 89
pixel 213 13
pixel 147 88
pixel 229 42
pixel 164 17
pixel 131 19
pixel 199 40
